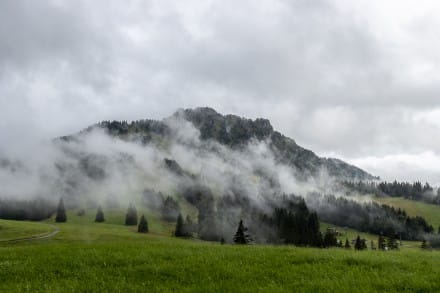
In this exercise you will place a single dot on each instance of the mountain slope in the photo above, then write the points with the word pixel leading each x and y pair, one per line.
pixel 234 132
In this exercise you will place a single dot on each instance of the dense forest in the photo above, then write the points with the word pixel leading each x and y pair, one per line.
pixel 369 217
pixel 32 210
pixel 414 191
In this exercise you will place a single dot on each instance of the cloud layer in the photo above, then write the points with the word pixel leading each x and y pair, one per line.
pixel 357 80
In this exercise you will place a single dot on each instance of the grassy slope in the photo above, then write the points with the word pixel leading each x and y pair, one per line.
pixel 17 229
pixel 414 208
pixel 112 257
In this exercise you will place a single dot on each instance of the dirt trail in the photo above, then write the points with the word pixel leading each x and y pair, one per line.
pixel 35 237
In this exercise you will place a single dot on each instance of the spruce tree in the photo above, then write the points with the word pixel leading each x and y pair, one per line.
pixel 241 236
pixel 131 216
pixel 61 213
pixel 99 215
pixel 143 225
pixel 347 244
pixel 360 243
pixel 330 239
pixel 179 232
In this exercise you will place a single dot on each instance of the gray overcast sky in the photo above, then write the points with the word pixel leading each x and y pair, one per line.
pixel 358 80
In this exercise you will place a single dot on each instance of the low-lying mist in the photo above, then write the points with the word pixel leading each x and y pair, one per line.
pixel 96 166
pixel 224 183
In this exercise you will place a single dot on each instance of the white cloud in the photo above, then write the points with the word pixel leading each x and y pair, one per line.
pixel 409 167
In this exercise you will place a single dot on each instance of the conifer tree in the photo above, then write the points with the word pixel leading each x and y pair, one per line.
pixel 131 216
pixel 241 236
pixel 330 239
pixel 61 213
pixel 143 225
pixel 99 215
pixel 360 243
pixel 179 232
pixel 347 244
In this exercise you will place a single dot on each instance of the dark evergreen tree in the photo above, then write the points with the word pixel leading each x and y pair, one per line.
pixel 61 213
pixel 313 230
pixel 381 242
pixel 131 217
pixel 347 244
pixel 222 241
pixel 241 236
pixel 99 215
pixel 360 243
pixel 179 232
pixel 143 225
pixel 296 225
pixel 330 239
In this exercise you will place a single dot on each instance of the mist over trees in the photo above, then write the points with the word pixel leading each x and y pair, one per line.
pixel 369 217
pixel 31 210
pixel 170 209
pixel 224 168
pixel 414 191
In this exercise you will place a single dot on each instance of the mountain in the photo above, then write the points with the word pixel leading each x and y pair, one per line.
pixel 235 132
pixel 217 168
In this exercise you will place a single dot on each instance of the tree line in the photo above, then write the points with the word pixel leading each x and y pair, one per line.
pixel 29 210
pixel 369 217
pixel 414 191
pixel 131 217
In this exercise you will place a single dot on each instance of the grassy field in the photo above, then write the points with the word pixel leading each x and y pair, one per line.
pixel 110 257
pixel 430 212
pixel 16 230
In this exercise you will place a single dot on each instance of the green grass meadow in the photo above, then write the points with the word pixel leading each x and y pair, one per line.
pixel 15 230
pixel 110 257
